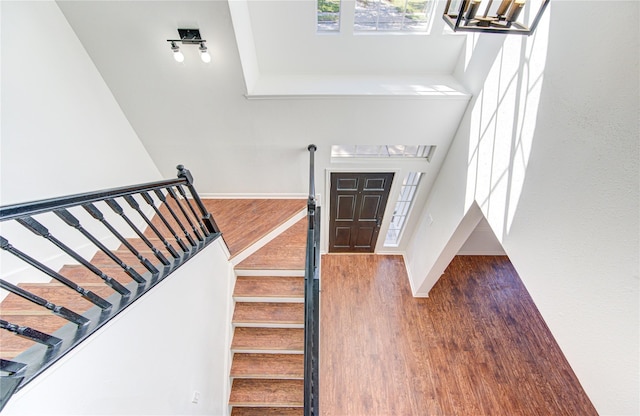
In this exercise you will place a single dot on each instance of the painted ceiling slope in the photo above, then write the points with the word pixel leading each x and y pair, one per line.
pixel 197 114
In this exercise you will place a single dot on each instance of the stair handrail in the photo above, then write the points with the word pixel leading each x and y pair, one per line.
pixel 312 297
pixel 167 200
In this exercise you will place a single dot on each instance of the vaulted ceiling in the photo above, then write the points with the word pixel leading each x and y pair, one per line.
pixel 242 122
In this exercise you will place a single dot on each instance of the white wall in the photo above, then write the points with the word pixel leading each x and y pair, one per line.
pixel 62 130
pixel 482 242
pixel 548 150
pixel 152 357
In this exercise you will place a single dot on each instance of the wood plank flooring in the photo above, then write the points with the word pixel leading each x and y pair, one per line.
pixel 245 221
pixel 285 252
pixel 476 346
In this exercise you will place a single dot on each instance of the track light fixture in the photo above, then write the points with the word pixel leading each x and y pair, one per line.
pixel 189 37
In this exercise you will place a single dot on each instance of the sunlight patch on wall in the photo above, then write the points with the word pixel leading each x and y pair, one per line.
pixel 502 127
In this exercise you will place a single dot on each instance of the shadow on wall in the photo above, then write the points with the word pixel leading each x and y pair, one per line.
pixel 492 147
pixel 502 124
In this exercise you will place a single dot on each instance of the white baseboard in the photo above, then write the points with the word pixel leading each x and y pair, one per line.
pixel 252 196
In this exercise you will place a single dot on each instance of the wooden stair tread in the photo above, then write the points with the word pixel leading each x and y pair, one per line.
pixel 285 252
pixel 57 294
pixel 101 259
pixel 268 313
pixel 269 287
pixel 274 366
pixel 264 339
pixel 267 392
pixel 146 251
pixel 81 275
pixel 11 344
pixel 267 411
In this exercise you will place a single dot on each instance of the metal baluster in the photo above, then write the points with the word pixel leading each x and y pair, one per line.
pixel 149 200
pixel 118 210
pixel 134 204
pixel 60 311
pixel 87 294
pixel 162 198
pixel 184 213
pixel 97 214
pixel 32 334
pixel 72 221
pixel 42 231
pixel 12 367
pixel 193 211
pixel 207 218
pixel 143 260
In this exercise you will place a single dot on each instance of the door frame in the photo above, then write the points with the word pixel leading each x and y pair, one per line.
pixel 388 212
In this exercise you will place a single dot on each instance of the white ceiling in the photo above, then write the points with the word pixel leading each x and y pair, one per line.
pixel 197 114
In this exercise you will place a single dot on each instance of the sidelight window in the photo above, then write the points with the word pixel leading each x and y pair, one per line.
pixel 401 210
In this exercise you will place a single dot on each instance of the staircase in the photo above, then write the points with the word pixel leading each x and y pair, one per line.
pixel 267 368
pixel 20 311
pixel 266 239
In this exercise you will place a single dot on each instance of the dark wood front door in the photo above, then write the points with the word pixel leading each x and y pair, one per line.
pixel 357 203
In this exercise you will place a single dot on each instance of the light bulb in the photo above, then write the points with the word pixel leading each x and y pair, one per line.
pixel 204 54
pixel 178 56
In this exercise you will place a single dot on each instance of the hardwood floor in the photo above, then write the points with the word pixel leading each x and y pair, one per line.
pixel 245 221
pixel 285 252
pixel 476 346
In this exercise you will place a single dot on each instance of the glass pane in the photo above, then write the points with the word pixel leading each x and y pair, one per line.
pixel 367 150
pixel 411 151
pixel 328 15
pixel 395 149
pixel 384 151
pixel 396 222
pixel 391 238
pixel 343 150
pixel 366 17
pixel 404 193
pixel 417 15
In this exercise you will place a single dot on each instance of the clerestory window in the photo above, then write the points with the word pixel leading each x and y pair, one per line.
pixel 392 15
pixel 328 15
pixel 378 15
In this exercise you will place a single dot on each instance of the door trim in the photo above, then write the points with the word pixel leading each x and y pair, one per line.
pixel 386 218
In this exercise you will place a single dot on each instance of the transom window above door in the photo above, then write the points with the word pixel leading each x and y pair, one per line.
pixel 382 151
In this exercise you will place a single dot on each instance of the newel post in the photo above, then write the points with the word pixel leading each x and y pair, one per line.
pixel 207 218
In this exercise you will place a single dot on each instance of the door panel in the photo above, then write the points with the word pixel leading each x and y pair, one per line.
pixel 357 205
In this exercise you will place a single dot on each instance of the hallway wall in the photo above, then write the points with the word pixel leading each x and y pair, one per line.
pixel 548 150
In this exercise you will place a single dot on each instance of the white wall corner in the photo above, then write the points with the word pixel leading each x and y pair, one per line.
pixel 465 228
pixel 241 20
pixel 414 291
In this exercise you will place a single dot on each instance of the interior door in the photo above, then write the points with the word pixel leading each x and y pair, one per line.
pixel 357 205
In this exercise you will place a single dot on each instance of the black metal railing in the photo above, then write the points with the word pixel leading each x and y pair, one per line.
pixel 312 298
pixel 150 250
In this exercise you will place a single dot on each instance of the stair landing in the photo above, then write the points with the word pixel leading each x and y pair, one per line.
pixel 245 221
